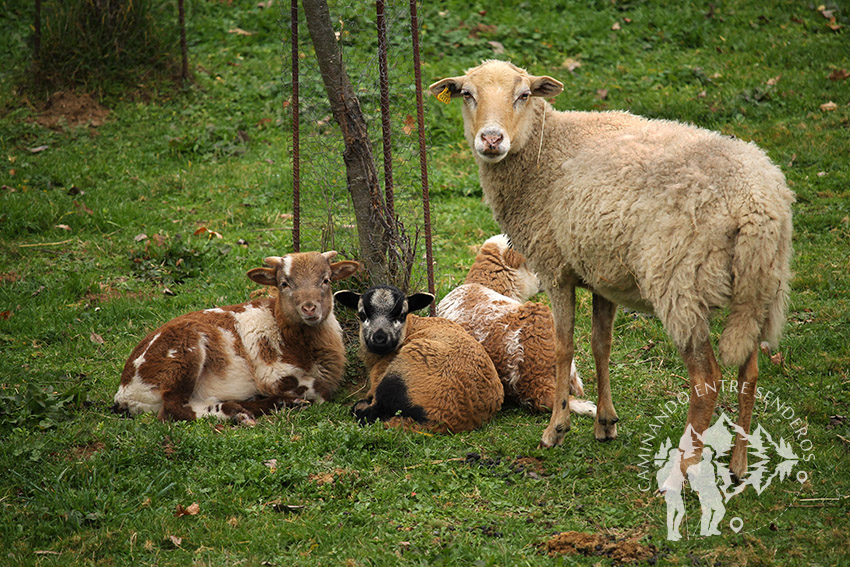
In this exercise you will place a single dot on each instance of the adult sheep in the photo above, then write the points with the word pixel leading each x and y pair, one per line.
pixel 656 215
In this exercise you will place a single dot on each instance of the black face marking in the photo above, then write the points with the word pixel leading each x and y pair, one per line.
pixel 563 404
pixel 391 400
pixel 382 314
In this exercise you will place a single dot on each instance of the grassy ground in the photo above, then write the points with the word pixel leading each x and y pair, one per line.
pixel 98 245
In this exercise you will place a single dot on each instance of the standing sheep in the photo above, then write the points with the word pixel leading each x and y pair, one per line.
pixel 427 369
pixel 518 336
pixel 656 215
pixel 241 360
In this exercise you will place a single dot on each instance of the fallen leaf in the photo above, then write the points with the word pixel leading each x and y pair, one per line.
pixel 5 314
pixel 63 227
pixel 774 80
pixel 168 292
pixel 828 106
pixel 777 358
pixel 95 338
pixel 839 75
pixel 233 521
pixel 176 540
pixel 271 464
pixel 266 4
pixel 9 189
pixel 191 510
pixel 74 190
pixel 702 94
pixel 616 26
pixel 409 124
pixel 602 94
pixel 140 237
pixel 159 239
pixel 570 64
pixel 205 230
pixel 239 31
pixel 498 48
pixel 82 206
pixel 37 149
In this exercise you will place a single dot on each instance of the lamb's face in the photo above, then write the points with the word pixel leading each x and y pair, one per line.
pixel 383 312
pixel 303 282
pixel 497 109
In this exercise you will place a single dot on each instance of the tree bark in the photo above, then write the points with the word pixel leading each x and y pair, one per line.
pixel 361 172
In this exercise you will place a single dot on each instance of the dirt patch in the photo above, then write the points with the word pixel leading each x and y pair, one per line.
pixel 623 551
pixel 66 109
pixel 84 452
pixel 331 477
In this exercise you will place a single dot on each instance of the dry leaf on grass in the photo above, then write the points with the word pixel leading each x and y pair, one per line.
pixel 191 510
pixel 828 106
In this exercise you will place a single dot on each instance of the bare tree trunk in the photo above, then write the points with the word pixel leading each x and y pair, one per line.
pixel 362 175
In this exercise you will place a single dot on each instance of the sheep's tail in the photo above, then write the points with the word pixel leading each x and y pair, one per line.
pixel 760 287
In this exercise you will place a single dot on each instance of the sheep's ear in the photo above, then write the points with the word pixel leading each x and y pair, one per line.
pixel 273 261
pixel 329 255
pixel 451 86
pixel 341 270
pixel 545 86
pixel 419 301
pixel 347 299
pixel 264 276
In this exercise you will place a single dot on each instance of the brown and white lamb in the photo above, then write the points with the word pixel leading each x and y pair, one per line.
pixel 425 369
pixel 518 335
pixel 239 361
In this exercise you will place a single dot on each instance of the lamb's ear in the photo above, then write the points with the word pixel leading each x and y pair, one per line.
pixel 451 86
pixel 347 299
pixel 418 301
pixel 329 255
pixel 341 270
pixel 545 86
pixel 264 276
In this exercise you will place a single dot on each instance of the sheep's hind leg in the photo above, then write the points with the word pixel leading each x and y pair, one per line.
pixel 604 311
pixel 563 309
pixel 748 374
pixel 704 375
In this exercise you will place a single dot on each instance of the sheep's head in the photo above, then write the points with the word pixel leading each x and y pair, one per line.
pixel 383 312
pixel 504 270
pixel 497 106
pixel 303 282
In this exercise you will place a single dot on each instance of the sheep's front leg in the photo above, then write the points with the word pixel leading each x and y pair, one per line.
pixel 604 311
pixel 748 375
pixel 704 373
pixel 563 309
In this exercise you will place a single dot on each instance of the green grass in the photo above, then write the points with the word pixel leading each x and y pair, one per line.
pixel 82 486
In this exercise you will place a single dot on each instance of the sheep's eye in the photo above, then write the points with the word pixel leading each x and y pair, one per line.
pixel 466 95
pixel 524 96
pixel 326 281
pixel 283 285
pixel 361 315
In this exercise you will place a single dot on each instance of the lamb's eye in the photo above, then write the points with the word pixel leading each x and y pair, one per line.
pixel 361 315
pixel 466 95
pixel 326 281
pixel 524 96
pixel 283 285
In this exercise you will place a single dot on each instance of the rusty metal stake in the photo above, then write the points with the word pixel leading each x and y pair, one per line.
pixel 296 141
pixel 423 164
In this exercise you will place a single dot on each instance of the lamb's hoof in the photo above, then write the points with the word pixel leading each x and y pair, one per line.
pixel 605 431
pixel 244 418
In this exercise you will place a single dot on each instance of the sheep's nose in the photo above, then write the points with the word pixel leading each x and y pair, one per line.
pixel 380 338
pixel 308 309
pixel 492 140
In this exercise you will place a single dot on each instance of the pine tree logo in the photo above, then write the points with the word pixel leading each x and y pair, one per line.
pixel 710 477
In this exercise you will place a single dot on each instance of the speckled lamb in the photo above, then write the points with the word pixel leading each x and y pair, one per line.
pixel 518 335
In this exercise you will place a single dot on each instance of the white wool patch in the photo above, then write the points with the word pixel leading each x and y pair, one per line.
pixel 171 353
pixel 575 379
pixel 286 266
pixel 582 407
pixel 215 310
pixel 138 397
pixel 516 353
pixel 141 358
pixel 500 240
pixel 234 382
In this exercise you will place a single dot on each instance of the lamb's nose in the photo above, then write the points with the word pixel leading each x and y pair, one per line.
pixel 308 309
pixel 380 338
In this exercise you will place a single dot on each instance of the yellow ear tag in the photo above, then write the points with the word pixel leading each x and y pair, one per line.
pixel 445 97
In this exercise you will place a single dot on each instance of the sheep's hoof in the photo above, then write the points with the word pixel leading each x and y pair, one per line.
pixel 605 432
pixel 553 436
pixel 738 469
